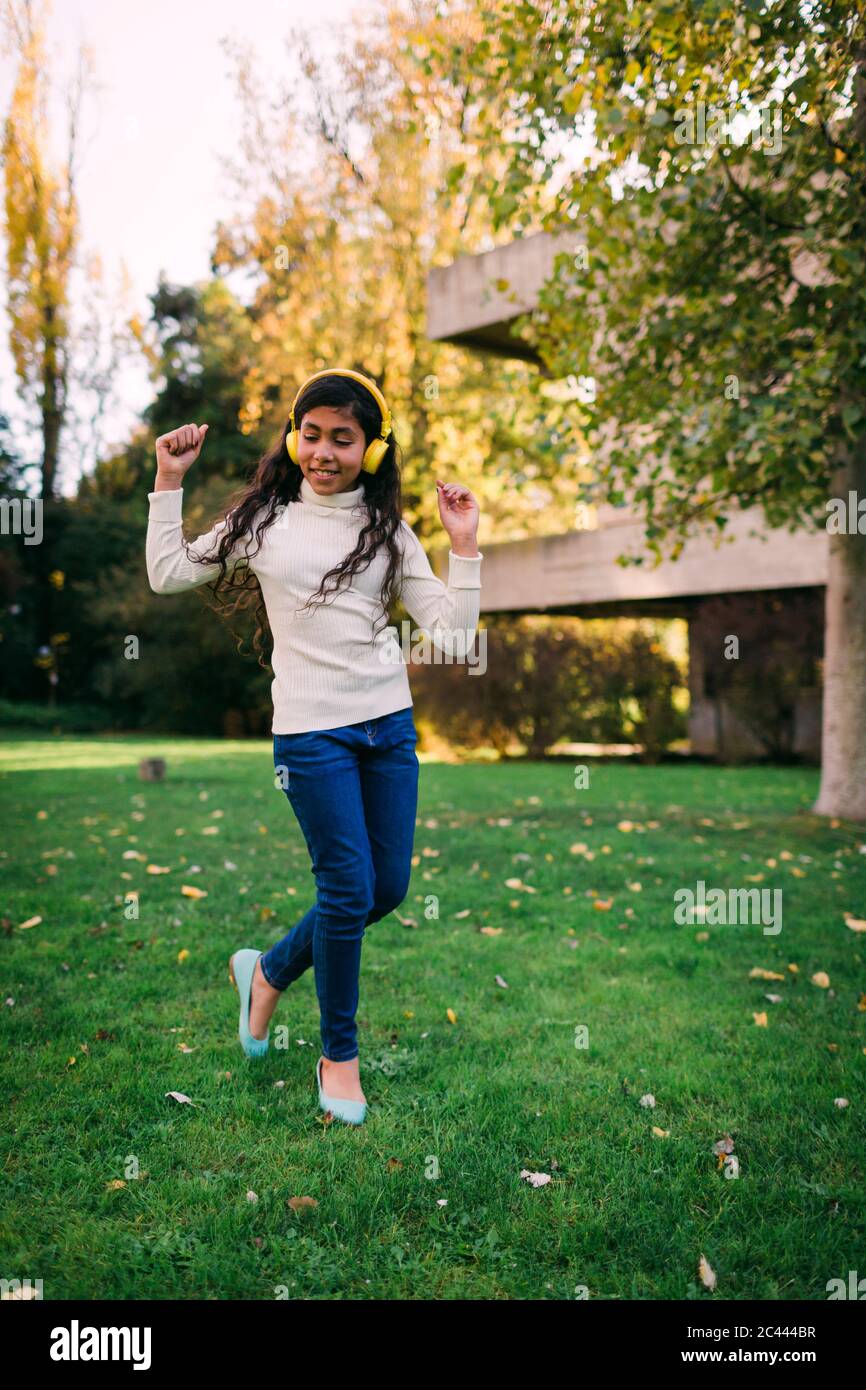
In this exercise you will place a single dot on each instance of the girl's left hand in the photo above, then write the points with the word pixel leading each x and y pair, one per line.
pixel 458 510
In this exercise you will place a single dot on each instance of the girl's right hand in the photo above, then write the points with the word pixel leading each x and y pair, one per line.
pixel 180 448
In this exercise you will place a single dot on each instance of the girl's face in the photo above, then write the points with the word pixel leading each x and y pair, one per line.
pixel 331 449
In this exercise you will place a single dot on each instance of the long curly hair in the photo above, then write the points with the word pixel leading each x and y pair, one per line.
pixel 277 481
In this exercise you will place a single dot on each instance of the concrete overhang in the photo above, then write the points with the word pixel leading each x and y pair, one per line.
pixel 475 302
pixel 468 305
pixel 579 570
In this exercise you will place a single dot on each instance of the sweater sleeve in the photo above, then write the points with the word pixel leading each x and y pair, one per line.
pixel 170 567
pixel 448 612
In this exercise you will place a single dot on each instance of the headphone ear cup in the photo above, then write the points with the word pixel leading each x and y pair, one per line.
pixel 374 454
pixel 292 445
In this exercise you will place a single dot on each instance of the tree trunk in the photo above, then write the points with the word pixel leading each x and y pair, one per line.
pixel 843 735
pixel 843 739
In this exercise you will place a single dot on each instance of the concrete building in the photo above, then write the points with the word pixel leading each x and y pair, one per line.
pixel 763 586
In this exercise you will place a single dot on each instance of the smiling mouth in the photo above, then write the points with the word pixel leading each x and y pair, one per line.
pixel 324 472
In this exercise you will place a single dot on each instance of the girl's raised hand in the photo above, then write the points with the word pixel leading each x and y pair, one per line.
pixel 180 448
pixel 458 511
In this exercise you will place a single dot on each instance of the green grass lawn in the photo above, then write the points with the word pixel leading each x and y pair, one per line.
pixel 426 1199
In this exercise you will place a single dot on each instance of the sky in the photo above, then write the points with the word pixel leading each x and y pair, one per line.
pixel 151 181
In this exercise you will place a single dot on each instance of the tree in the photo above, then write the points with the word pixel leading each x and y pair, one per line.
pixel 41 225
pixel 718 297
pixel 343 205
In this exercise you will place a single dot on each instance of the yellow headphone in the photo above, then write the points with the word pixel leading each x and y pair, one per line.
pixel 377 448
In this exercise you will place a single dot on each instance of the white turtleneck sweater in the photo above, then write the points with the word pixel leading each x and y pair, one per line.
pixel 328 669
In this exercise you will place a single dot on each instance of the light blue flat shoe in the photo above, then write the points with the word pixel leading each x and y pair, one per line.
pixel 241 967
pixel 352 1111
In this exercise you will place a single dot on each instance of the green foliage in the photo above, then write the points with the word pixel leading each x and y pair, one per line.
pixel 722 305
pixel 554 680
pixel 79 719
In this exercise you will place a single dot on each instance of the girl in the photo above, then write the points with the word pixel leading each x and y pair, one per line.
pixel 324 505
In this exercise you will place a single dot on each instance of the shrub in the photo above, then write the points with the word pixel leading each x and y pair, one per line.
pixel 557 679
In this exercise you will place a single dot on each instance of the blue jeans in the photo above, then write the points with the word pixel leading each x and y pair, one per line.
pixel 354 791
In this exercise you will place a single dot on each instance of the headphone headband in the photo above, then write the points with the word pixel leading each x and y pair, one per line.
pixel 356 376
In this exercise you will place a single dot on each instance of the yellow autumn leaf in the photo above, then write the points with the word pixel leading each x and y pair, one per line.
pixel 662 1133
pixel 760 1020
pixel 760 974
pixel 855 923
pixel 821 979
pixel 452 1017
pixel 603 904
pixel 707 1274
pixel 31 922
pixel 190 892
pixel 115 1183
pixel 518 883
pixel 492 931
pixel 157 869
pixel 183 955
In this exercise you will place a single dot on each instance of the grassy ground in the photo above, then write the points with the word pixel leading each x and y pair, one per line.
pixel 426 1200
